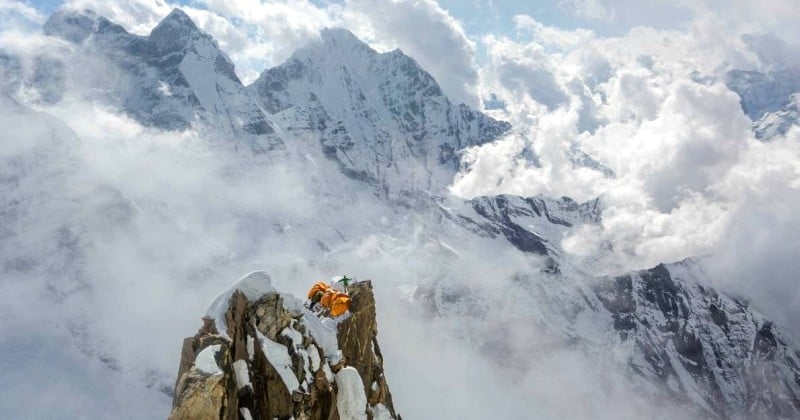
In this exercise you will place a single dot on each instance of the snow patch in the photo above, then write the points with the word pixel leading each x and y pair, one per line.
pixel 245 412
pixel 324 334
pixel 278 357
pixel 297 343
pixel 253 285
pixel 242 374
pixel 251 350
pixel 206 361
pixel 164 89
pixel 351 400
pixel 313 356
pixel 380 412
pixel 328 372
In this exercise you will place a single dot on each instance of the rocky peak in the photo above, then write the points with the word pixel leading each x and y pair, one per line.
pixel 380 116
pixel 770 99
pixel 261 354
pixel 178 20
pixel 175 78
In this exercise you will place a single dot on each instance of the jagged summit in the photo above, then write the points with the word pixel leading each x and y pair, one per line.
pixel 777 123
pixel 175 31
pixel 261 354
pixel 382 117
pixel 175 79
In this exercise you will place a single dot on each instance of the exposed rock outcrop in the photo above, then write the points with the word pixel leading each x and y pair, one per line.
pixel 270 357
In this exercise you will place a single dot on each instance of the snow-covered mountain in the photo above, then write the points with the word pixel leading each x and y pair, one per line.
pixel 377 143
pixel 711 351
pixel 174 79
pixel 769 99
pixel 380 116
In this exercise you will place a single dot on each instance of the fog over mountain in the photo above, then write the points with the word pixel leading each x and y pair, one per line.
pixel 558 223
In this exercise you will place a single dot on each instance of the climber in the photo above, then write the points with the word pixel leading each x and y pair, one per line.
pixel 332 299
pixel 340 283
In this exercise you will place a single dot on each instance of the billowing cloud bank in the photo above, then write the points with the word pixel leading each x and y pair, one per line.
pixel 670 151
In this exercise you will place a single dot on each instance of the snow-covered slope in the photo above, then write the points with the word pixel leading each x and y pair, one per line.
pixel 531 224
pixel 769 99
pixel 676 338
pixel 777 123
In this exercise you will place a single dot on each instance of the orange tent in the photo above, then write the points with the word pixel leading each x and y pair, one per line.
pixel 318 287
pixel 334 301
pixel 337 302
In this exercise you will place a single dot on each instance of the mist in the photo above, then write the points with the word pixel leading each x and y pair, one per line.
pixel 135 232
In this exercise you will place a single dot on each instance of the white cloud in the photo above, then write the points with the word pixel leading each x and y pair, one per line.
pixel 137 16
pixel 525 72
pixel 690 179
pixel 767 16
pixel 756 258
pixel 427 33
pixel 8 7
pixel 15 15
pixel 587 9
pixel 270 31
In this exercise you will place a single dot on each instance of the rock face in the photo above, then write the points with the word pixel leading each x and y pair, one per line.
pixel 276 359
pixel 706 348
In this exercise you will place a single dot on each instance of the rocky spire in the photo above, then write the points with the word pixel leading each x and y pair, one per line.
pixel 276 359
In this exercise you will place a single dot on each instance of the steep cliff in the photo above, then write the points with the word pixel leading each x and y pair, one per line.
pixel 261 354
